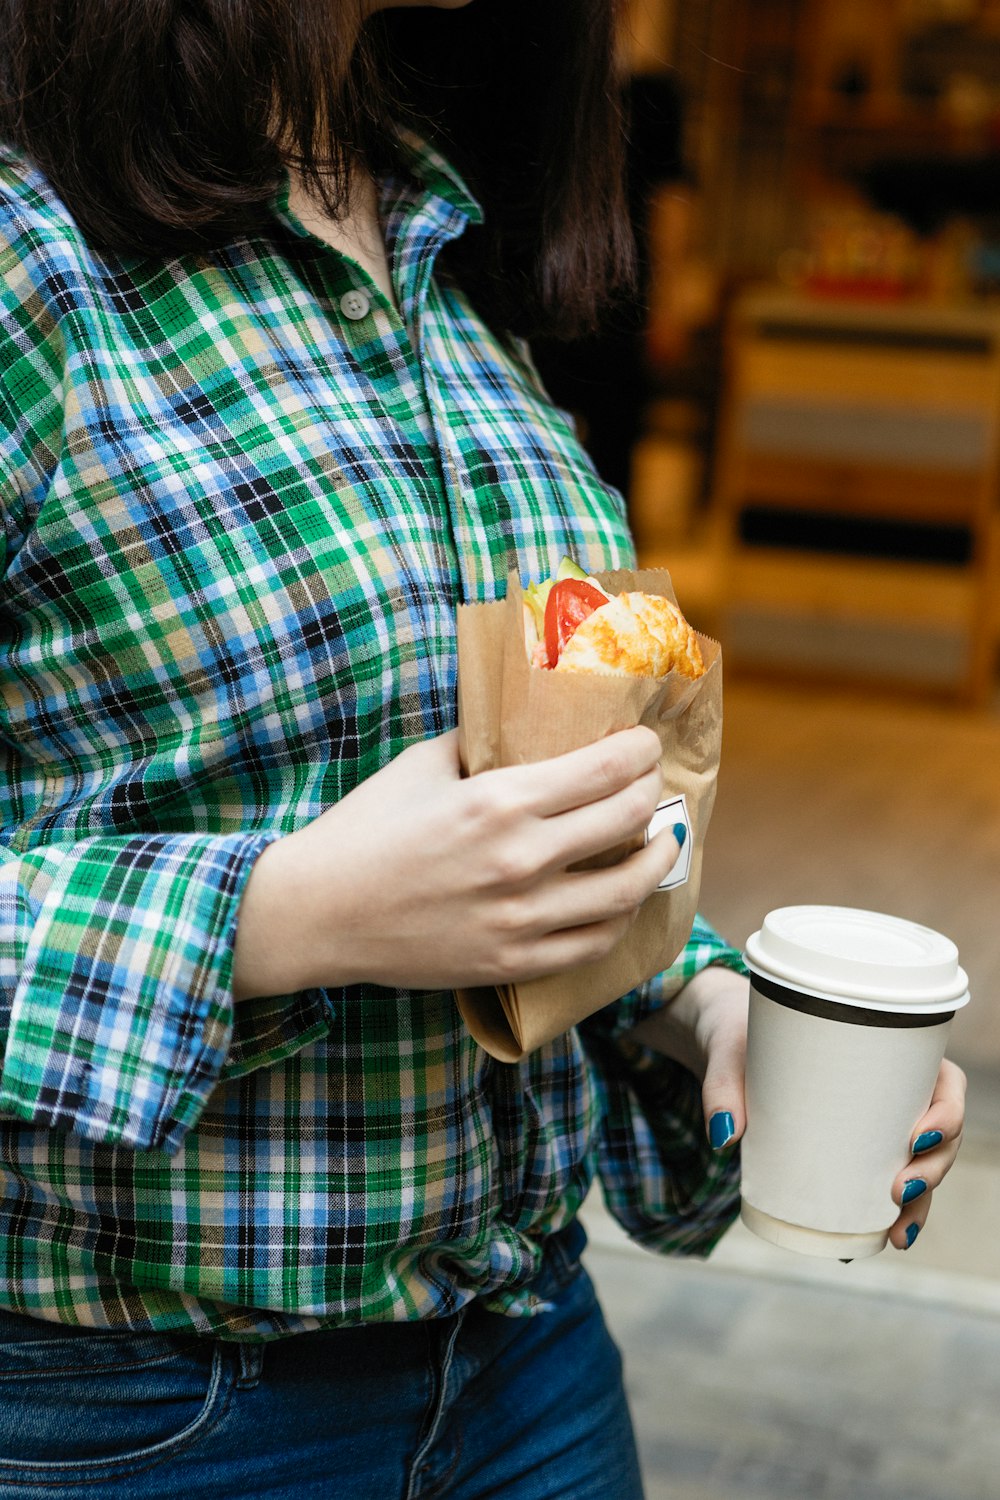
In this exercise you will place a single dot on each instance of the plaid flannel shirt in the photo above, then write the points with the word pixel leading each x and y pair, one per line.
pixel 238 514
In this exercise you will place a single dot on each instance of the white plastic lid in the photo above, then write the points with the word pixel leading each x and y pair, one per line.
pixel 866 957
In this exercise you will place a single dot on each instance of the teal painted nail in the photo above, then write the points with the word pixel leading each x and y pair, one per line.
pixel 680 834
pixel 912 1230
pixel 721 1129
pixel 913 1189
pixel 926 1141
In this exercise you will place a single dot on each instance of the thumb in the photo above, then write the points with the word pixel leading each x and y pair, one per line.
pixel 435 758
pixel 722 1094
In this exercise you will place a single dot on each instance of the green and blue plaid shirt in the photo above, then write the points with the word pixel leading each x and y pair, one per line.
pixel 238 514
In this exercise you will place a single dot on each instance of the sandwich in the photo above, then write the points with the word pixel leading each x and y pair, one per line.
pixel 572 624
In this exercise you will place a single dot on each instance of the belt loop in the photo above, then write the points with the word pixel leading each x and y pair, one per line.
pixel 251 1366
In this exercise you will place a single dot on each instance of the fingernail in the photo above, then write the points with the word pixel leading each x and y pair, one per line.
pixel 721 1129
pixel 925 1141
pixel 913 1189
pixel 912 1230
pixel 680 834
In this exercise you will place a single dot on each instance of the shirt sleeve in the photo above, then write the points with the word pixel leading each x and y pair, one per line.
pixel 661 1180
pixel 116 981
pixel 116 951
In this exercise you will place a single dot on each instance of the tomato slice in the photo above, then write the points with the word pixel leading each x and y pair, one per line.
pixel 569 603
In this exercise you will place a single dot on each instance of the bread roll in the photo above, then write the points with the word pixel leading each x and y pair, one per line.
pixel 633 635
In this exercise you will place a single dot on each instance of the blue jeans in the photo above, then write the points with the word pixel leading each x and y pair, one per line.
pixel 466 1407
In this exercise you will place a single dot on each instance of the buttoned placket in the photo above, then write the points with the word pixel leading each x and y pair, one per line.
pixel 446 222
pixel 411 257
pixel 468 541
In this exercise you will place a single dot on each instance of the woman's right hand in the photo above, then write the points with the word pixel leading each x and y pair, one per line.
pixel 421 879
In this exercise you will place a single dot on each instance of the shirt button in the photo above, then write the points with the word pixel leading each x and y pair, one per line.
pixel 355 305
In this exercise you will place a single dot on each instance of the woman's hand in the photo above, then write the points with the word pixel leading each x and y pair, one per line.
pixel 936 1138
pixel 425 880
pixel 705 1029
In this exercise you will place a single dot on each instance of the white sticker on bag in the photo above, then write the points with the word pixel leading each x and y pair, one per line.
pixel 673 810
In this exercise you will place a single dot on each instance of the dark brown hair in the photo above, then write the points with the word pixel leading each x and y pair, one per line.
pixel 164 125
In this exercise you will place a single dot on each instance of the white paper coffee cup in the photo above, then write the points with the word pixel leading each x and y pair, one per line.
pixel 849 1014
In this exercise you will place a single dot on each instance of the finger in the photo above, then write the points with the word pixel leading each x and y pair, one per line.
pixel 437 755
pixel 924 1173
pixel 586 775
pixel 567 948
pixel 722 1092
pixel 945 1115
pixel 580 898
pixel 565 839
pixel 936 1137
pixel 910 1222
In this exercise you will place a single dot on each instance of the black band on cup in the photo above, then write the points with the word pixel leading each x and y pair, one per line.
pixel 833 1010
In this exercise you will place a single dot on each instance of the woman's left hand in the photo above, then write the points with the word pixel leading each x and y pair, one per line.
pixel 705 1028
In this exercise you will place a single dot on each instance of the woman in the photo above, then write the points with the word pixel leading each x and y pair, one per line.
pixel 273 1223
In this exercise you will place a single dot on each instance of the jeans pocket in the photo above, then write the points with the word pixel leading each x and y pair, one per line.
pixel 78 1405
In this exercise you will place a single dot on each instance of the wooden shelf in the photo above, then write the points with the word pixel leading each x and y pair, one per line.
pixel 858 143
pixel 873 116
pixel 847 588
pixel 883 414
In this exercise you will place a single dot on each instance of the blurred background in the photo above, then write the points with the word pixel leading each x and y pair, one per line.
pixel 803 409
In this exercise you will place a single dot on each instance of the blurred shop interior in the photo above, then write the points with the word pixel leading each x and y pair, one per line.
pixel 804 414
pixel 816 385
pixel 805 419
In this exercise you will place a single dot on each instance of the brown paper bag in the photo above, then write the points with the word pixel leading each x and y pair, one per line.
pixel 511 713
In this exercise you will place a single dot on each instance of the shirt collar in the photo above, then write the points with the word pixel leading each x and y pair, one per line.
pixel 438 176
pixel 431 169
